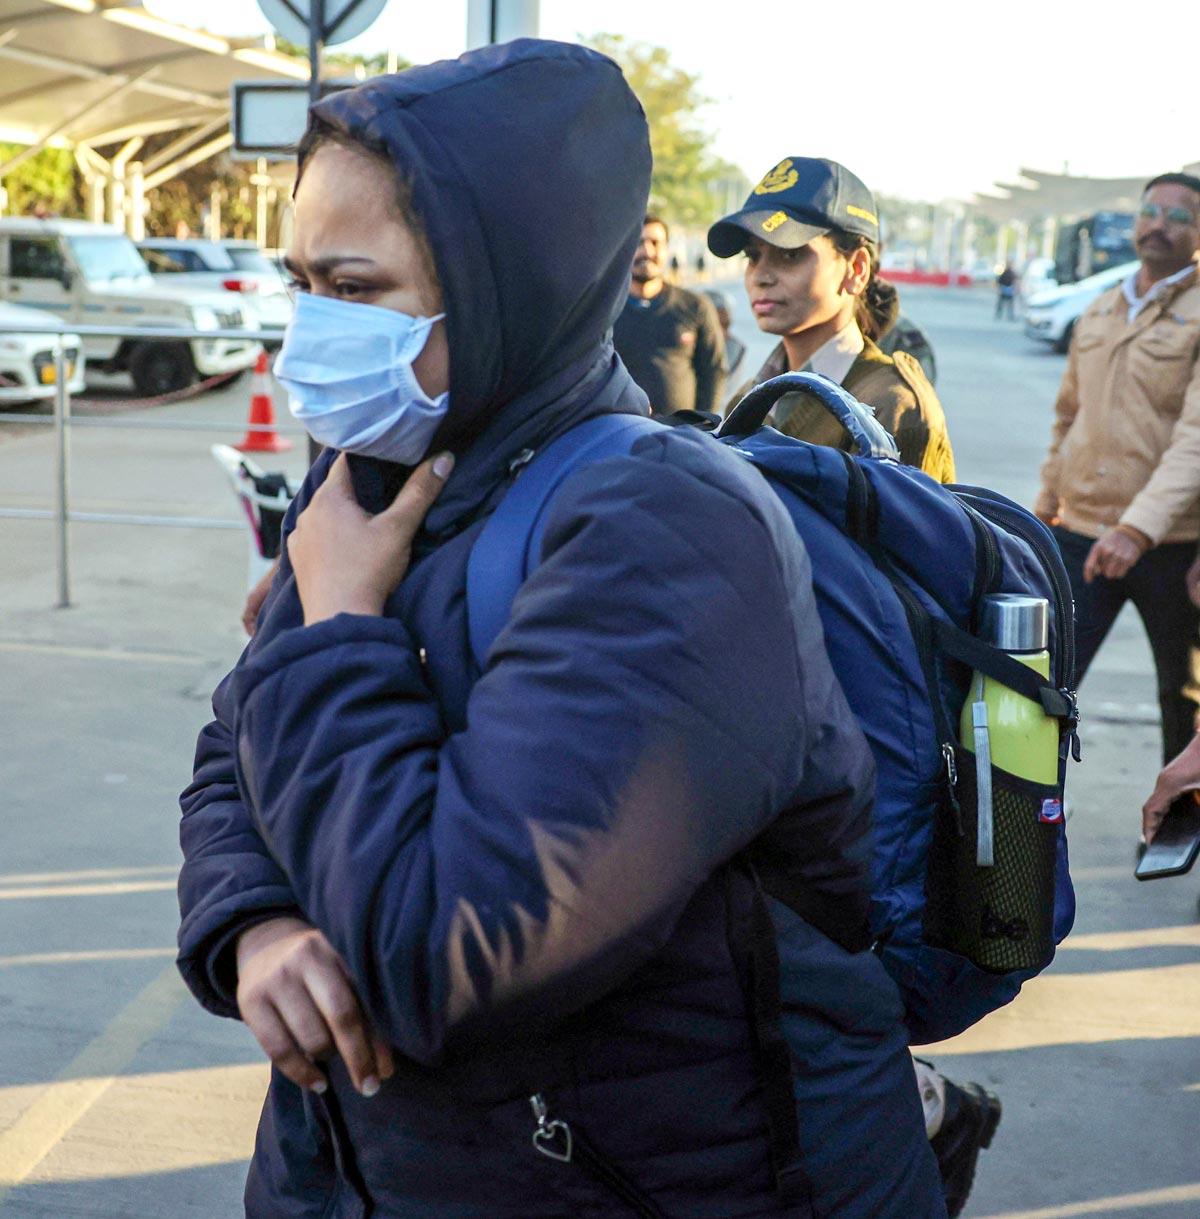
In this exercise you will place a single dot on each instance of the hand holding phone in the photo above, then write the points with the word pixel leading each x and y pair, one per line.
pixel 1174 848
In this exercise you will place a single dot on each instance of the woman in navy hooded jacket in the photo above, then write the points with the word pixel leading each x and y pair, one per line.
pixel 483 921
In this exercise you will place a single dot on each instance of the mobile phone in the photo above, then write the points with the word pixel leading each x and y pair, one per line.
pixel 376 482
pixel 1176 844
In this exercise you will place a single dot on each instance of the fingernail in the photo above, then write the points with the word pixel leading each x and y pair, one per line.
pixel 443 464
pixel 320 1087
pixel 370 1086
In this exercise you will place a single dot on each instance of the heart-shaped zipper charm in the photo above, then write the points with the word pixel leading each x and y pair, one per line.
pixel 554 1139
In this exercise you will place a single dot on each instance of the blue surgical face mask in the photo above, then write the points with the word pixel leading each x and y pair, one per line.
pixel 348 370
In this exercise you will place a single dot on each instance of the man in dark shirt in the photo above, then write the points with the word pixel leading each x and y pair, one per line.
pixel 1006 291
pixel 669 339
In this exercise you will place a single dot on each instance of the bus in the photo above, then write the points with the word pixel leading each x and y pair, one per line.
pixel 1093 244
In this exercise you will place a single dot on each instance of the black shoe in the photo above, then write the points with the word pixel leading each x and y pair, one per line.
pixel 971 1117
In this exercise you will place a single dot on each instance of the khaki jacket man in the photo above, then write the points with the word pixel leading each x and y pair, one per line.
pixel 1121 482
pixel 1126 442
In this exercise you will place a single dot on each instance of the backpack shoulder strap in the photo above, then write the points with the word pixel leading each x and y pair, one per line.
pixel 505 552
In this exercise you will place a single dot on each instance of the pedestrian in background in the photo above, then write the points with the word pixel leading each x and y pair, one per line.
pixel 1121 482
pixel 1006 292
pixel 669 338
pixel 898 332
pixel 735 349
pixel 810 233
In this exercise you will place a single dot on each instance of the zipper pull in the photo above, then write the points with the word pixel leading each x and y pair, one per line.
pixel 551 1138
pixel 951 784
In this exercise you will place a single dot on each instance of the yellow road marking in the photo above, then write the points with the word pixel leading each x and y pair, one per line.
pixel 1083 1009
pixel 1110 1206
pixel 53 878
pixel 76 958
pixel 81 1083
pixel 1184 936
pixel 161 1122
pixel 103 890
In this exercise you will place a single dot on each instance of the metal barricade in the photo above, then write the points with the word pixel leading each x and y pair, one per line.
pixel 62 421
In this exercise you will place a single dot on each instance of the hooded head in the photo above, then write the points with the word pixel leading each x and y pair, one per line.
pixel 527 166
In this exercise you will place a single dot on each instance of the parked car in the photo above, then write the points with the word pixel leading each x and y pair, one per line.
pixel 27 365
pixel 1051 315
pixel 92 274
pixel 229 266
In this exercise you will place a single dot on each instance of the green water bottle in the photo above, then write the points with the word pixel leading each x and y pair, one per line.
pixel 1001 727
pixel 997 869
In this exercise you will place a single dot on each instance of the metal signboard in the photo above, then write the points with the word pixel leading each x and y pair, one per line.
pixel 268 117
pixel 336 20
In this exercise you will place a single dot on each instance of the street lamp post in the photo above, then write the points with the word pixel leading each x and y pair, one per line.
pixel 316 49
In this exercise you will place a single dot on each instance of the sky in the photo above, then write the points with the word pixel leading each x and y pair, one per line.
pixel 928 99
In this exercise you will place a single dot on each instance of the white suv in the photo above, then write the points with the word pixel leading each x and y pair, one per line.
pixel 92 274
pixel 1051 315
pixel 27 366
pixel 232 266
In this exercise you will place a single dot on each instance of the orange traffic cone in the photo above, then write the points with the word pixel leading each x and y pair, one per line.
pixel 262 411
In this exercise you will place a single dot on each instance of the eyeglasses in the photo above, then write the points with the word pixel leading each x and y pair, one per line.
pixel 1172 215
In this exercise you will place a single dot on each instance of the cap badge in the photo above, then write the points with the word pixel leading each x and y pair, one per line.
pixel 782 177
pixel 773 222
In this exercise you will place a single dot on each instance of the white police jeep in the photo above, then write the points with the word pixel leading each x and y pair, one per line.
pixel 92 274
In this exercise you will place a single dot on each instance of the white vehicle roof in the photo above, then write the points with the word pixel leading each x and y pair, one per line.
pixel 1093 284
pixel 180 243
pixel 50 228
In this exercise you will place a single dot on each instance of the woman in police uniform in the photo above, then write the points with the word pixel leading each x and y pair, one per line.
pixel 810 234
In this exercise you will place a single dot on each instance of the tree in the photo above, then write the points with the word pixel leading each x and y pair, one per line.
pixel 346 63
pixel 48 179
pixel 689 185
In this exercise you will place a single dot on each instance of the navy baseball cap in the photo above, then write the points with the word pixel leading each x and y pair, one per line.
pixel 801 198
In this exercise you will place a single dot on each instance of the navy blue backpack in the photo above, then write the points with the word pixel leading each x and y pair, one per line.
pixel 899 564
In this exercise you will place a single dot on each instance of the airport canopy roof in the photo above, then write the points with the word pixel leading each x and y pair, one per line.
pixel 102 72
pixel 1039 195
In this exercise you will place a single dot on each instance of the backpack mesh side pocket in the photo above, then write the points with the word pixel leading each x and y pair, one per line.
pixel 1000 917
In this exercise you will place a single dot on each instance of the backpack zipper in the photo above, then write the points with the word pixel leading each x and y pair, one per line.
pixel 992 506
pixel 987 555
pixel 862 519
pixel 554 1138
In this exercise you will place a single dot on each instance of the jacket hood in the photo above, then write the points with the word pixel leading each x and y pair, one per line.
pixel 529 164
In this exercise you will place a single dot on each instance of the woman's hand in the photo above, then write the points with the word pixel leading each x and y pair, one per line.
pixel 297 999
pixel 255 599
pixel 1179 775
pixel 347 561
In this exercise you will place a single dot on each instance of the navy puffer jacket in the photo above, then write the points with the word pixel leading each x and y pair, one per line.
pixel 523 868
